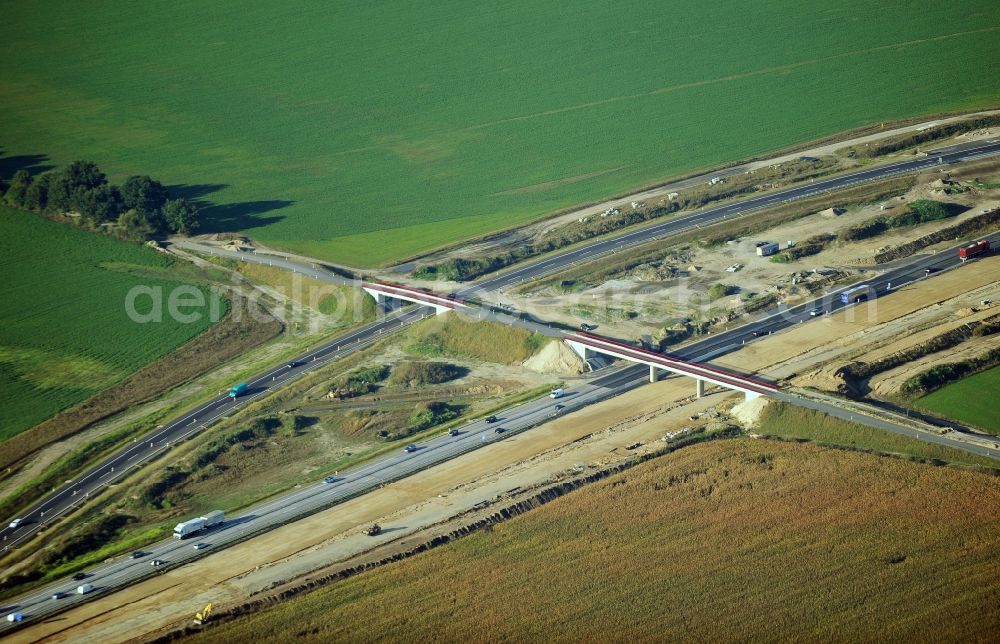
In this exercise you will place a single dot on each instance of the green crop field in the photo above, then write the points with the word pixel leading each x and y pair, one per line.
pixel 366 132
pixel 968 400
pixel 64 330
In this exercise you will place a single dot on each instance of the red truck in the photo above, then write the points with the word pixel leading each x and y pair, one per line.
pixel 979 248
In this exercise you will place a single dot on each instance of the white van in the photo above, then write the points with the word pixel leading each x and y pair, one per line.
pixel 83 589
pixel 557 393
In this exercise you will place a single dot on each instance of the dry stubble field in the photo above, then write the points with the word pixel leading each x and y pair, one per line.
pixel 725 540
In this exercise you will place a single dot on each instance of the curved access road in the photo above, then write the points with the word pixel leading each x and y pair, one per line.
pixel 72 493
pixel 122 571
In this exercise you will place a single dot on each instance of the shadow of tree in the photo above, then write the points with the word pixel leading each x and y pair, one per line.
pixel 226 217
pixel 33 163
pixel 230 217
pixel 193 191
pixel 215 218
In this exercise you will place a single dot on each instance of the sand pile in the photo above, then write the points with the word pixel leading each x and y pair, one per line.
pixel 556 358
pixel 748 411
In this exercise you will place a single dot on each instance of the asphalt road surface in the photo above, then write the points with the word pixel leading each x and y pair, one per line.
pixel 124 570
pixel 673 225
pixel 74 492
pixel 142 450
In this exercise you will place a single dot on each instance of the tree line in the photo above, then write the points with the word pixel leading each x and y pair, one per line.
pixel 140 208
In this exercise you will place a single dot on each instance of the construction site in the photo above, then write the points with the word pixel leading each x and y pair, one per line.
pixel 454 497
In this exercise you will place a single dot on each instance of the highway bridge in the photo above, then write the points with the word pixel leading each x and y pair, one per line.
pixel 44 511
pixel 383 291
pixel 586 343
pixel 74 492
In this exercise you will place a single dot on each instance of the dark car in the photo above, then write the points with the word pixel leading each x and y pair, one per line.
pixel 930 270
pixel 816 312
pixel 156 562
pixel 80 575
pixel 138 554
pixel 330 479
pixel 410 448
pixel 454 432
pixel 499 430
pixel 491 419
pixel 293 364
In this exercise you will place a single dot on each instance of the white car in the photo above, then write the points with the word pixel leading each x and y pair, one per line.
pixel 15 523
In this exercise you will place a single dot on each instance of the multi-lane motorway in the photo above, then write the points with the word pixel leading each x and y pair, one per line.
pixel 673 225
pixel 142 450
pixel 917 268
pixel 122 571
pixel 71 493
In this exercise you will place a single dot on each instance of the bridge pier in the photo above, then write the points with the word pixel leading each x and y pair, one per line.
pixel 380 299
pixel 580 350
pixel 585 346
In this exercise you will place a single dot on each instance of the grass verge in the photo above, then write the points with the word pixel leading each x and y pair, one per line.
pixel 795 423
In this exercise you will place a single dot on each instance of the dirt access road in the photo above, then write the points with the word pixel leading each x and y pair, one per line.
pixel 598 435
pixel 494 243
pixel 519 235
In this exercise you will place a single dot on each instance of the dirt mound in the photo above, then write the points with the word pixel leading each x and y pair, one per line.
pixel 748 411
pixel 556 358
pixel 833 378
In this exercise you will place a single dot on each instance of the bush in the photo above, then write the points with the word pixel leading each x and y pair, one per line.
pixel 153 494
pixel 300 422
pixel 928 210
pixel 432 413
pixel 864 230
pixel 918 212
pixel 715 291
pixel 414 374
pixel 904 141
pixel 92 537
pixel 461 269
pixel 361 381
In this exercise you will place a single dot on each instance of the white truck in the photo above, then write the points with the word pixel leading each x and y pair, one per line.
pixel 210 520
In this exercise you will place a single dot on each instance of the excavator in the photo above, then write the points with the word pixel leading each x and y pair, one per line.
pixel 202 617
